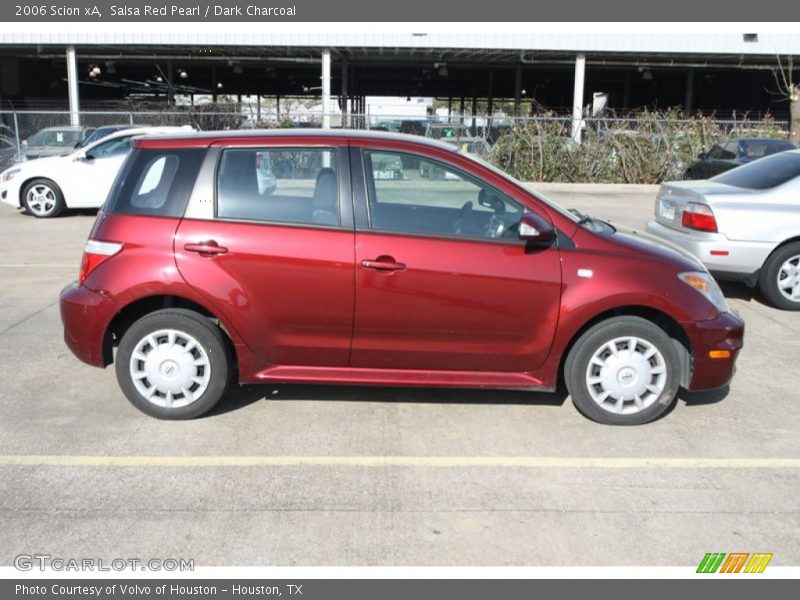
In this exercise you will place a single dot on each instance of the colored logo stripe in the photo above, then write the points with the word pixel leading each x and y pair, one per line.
pixel 735 561
pixel 758 562
pixel 711 562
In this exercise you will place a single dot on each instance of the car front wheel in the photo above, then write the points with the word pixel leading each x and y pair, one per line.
pixel 623 371
pixel 779 279
pixel 43 198
pixel 173 364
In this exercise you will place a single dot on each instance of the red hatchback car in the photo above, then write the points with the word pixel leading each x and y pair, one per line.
pixel 379 259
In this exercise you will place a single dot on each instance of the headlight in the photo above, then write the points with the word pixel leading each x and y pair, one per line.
pixel 706 285
pixel 9 174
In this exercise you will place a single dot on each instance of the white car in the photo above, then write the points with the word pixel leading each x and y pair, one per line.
pixel 46 186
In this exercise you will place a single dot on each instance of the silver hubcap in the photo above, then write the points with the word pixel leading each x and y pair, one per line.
pixel 170 368
pixel 789 279
pixel 626 375
pixel 41 199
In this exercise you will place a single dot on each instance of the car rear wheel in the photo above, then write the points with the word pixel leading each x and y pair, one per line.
pixel 173 364
pixel 779 279
pixel 43 198
pixel 623 371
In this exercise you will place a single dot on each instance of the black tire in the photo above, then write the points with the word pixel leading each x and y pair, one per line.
pixel 577 374
pixel 51 191
pixel 211 347
pixel 768 277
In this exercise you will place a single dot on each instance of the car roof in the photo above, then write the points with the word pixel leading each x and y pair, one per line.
pixel 760 140
pixel 206 138
pixel 152 130
pixel 122 126
pixel 64 128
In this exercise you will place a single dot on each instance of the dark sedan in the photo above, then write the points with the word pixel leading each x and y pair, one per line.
pixel 733 153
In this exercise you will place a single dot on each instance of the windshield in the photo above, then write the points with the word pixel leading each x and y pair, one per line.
pixel 94 136
pixel 551 203
pixel 101 132
pixel 725 151
pixel 55 137
pixel 764 173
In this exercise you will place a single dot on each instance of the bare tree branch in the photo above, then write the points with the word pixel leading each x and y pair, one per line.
pixel 785 83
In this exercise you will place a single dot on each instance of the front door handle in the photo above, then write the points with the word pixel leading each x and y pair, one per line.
pixel 209 247
pixel 383 263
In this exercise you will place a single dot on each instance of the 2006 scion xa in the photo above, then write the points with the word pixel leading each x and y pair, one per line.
pixel 379 259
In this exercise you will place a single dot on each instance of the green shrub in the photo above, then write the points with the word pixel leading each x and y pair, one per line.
pixel 648 147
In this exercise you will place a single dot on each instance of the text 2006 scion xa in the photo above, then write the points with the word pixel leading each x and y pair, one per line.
pixel 345 257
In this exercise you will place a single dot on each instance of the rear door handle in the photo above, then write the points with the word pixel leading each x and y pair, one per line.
pixel 209 247
pixel 383 263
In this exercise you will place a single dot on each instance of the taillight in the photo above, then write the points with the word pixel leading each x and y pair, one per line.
pixel 700 217
pixel 95 253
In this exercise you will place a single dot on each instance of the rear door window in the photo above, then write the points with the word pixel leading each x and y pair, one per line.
pixel 280 185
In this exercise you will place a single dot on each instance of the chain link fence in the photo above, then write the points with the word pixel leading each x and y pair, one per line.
pixel 538 147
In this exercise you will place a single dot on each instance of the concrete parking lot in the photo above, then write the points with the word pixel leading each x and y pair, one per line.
pixel 304 475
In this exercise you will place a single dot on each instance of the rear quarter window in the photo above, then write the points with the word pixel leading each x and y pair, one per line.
pixel 155 182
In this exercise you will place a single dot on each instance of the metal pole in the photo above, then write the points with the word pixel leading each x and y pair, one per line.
pixel 16 133
pixel 489 102
pixel 343 95
pixel 474 113
pixel 517 90
pixel 577 97
pixel 626 95
pixel 72 85
pixel 171 90
pixel 326 89
pixel 689 101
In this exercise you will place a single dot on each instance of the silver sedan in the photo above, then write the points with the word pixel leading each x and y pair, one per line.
pixel 743 224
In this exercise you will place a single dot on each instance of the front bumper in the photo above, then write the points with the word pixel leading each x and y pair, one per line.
pixel 86 315
pixel 743 258
pixel 726 332
pixel 8 197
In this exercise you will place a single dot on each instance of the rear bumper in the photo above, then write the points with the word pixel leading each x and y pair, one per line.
pixel 743 258
pixel 726 332
pixel 85 315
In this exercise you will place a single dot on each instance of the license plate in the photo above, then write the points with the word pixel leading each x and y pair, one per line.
pixel 667 210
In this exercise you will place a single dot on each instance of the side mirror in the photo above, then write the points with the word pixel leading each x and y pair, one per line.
pixel 24 142
pixel 533 228
pixel 84 156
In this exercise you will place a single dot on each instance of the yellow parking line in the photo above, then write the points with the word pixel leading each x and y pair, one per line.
pixel 401 461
